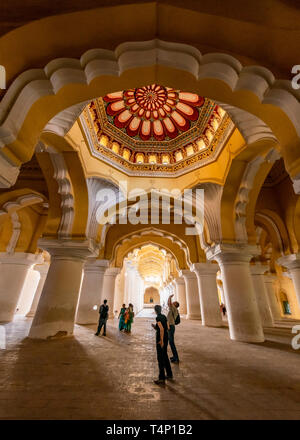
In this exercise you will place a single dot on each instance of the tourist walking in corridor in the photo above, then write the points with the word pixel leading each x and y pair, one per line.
pixel 122 318
pixel 129 315
pixel 103 312
pixel 173 319
pixel 161 328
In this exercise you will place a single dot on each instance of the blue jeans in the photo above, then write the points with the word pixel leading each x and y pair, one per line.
pixel 171 333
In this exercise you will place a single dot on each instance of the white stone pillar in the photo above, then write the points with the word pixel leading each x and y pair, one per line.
pixel 119 291
pixel 209 302
pixel 292 263
pixel 257 271
pixel 181 295
pixel 91 291
pixel 108 290
pixel 13 272
pixel 273 301
pixel 42 269
pixel 27 294
pixel 243 315
pixel 55 314
pixel 192 294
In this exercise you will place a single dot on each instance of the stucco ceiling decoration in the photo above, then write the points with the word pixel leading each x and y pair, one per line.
pixel 153 112
pixel 155 129
pixel 150 261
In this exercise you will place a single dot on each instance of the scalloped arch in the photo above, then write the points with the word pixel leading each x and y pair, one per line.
pixel 36 96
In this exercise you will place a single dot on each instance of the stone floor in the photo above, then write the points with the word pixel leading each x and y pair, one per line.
pixel 89 377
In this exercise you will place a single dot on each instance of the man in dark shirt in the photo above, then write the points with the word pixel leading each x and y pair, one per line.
pixel 161 328
pixel 103 318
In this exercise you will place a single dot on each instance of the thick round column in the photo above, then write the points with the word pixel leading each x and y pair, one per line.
pixel 292 263
pixel 209 302
pixel 55 314
pixel 243 315
pixel 257 271
pixel 181 295
pixel 13 272
pixel 91 291
pixel 269 283
pixel 108 290
pixel 192 295
pixel 43 270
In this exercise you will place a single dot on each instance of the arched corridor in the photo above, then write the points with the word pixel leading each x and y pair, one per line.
pixel 150 165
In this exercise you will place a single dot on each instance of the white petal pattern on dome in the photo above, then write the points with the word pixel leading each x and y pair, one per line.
pixel 153 112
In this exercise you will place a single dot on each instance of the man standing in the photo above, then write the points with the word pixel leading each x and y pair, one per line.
pixel 103 318
pixel 172 316
pixel 161 328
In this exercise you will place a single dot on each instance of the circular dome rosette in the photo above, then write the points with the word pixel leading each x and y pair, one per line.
pixel 156 112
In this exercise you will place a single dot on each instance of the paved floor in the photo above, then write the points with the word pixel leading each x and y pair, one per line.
pixel 89 377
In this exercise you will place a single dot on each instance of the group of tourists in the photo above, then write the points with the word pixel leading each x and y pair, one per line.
pixel 126 316
pixel 165 333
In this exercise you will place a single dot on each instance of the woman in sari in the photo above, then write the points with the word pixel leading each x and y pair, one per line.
pixel 122 318
pixel 129 314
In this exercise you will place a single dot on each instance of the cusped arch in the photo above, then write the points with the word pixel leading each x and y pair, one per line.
pixel 218 76
pixel 116 251
pixel 274 225
pixel 122 251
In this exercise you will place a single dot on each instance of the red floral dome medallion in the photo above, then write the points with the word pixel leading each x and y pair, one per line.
pixel 154 111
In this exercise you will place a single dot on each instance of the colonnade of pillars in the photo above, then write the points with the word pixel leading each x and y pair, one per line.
pixel 248 293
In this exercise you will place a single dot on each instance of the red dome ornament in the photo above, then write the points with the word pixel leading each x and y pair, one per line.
pixel 153 111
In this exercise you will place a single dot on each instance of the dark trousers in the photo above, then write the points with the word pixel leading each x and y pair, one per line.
pixel 102 322
pixel 163 361
pixel 171 333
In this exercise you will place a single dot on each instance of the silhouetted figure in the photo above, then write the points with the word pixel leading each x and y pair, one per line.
pixel 161 328
pixel 103 311
pixel 223 309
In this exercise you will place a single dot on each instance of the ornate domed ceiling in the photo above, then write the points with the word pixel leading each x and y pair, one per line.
pixel 155 129
pixel 154 113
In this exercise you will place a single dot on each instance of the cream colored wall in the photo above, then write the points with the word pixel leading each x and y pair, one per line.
pixel 284 283
pixel 151 292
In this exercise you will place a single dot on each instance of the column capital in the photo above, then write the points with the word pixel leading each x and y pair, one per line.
pixel 234 253
pixel 93 265
pixel 186 273
pixel 179 280
pixel 112 271
pixel 21 258
pixel 291 261
pixel 270 277
pixel 258 268
pixel 67 249
pixel 42 268
pixel 205 269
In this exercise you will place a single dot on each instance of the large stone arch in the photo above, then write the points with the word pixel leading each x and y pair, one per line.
pixel 125 243
pixel 68 192
pixel 65 82
pixel 20 225
pixel 276 229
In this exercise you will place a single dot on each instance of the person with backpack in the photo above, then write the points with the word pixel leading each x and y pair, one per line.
pixel 103 312
pixel 173 319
